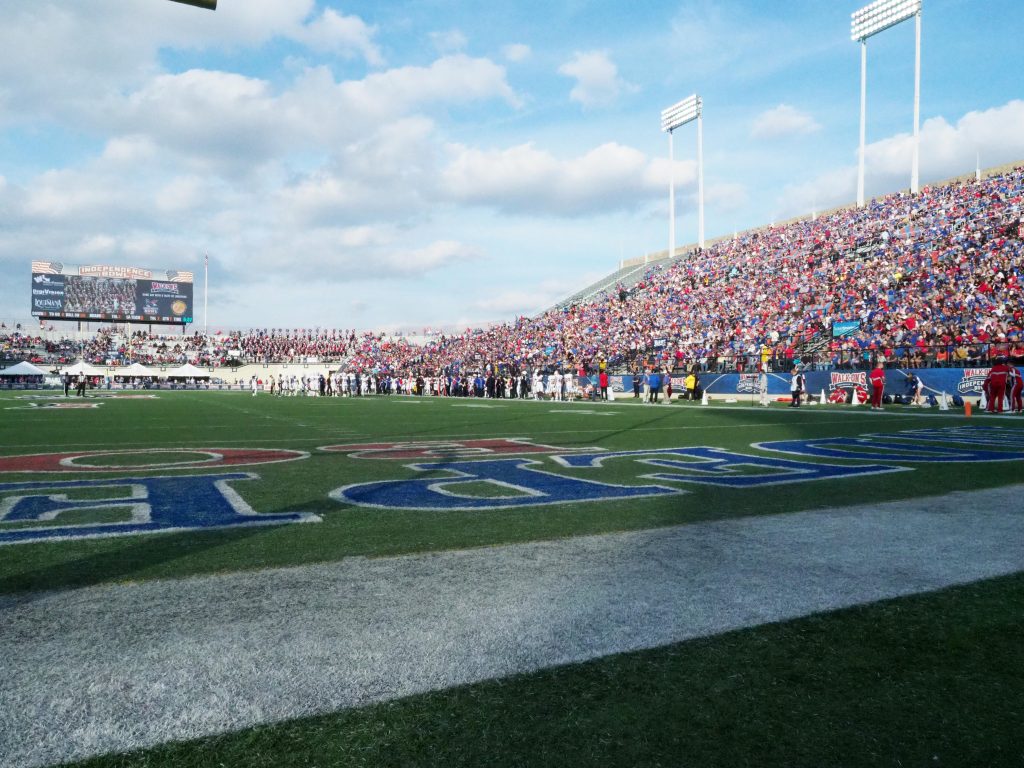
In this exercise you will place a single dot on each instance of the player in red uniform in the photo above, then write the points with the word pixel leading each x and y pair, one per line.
pixel 996 380
pixel 1015 386
pixel 877 379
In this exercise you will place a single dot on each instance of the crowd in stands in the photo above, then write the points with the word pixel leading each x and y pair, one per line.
pixel 105 295
pixel 932 279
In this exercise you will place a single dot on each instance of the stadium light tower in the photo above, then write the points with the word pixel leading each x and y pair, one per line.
pixel 208 4
pixel 868 21
pixel 686 111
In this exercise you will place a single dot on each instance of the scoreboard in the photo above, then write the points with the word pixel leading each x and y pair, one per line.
pixel 102 292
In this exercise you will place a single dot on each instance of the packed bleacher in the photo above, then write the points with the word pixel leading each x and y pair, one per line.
pixel 108 295
pixel 932 279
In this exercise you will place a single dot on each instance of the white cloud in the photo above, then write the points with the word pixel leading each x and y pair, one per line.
pixel 597 79
pixel 347 36
pixel 106 48
pixel 726 196
pixel 783 121
pixel 224 118
pixel 456 79
pixel 181 194
pixel 947 150
pixel 516 52
pixel 431 257
pixel 449 41
pixel 131 151
pixel 106 52
pixel 390 173
pixel 344 254
pixel 323 178
pixel 524 179
pixel 67 196
pixel 547 293
pixel 234 125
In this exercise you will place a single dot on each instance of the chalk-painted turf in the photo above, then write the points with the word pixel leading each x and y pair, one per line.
pixel 104 669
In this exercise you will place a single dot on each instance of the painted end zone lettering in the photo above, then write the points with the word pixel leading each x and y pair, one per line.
pixel 717 466
pixel 102 395
pixel 886 448
pixel 151 505
pixel 446 449
pixel 526 486
pixel 53 406
pixel 79 461
pixel 529 486
pixel 999 437
pixel 520 483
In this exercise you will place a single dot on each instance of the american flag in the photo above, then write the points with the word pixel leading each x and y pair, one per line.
pixel 180 277
pixel 47 267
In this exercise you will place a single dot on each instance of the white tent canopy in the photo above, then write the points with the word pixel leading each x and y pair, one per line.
pixel 23 369
pixel 188 371
pixel 136 369
pixel 83 367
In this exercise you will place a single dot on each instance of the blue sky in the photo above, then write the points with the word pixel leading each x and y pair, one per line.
pixel 427 163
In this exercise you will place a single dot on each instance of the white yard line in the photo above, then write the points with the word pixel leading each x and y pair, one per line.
pixel 113 668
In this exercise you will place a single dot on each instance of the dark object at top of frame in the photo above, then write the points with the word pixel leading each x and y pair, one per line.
pixel 210 5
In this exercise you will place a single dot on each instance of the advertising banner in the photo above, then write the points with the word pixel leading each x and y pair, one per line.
pixel 965 382
pixel 100 292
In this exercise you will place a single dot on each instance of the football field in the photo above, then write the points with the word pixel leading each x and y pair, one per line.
pixel 211 578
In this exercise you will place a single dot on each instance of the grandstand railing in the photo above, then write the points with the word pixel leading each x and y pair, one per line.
pixel 625 277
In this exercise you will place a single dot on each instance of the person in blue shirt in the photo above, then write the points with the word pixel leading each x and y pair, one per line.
pixel 654 379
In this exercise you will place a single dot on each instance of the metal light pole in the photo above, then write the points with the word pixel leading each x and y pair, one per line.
pixel 868 21
pixel 700 178
pixel 863 120
pixel 916 168
pixel 671 198
pixel 677 115
pixel 206 295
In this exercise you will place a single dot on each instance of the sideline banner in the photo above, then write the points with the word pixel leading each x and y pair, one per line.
pixel 965 382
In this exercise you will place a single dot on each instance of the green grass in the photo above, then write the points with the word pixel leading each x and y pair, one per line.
pixel 212 420
pixel 927 681
pixel 932 680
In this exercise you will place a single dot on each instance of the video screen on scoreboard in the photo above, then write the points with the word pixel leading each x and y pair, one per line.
pixel 101 292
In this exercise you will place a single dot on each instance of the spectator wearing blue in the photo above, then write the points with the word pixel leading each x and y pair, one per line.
pixel 654 379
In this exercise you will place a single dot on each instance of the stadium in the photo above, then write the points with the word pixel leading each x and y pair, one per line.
pixel 323 442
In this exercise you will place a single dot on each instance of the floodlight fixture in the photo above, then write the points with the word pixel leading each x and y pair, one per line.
pixel 210 5
pixel 681 113
pixel 880 15
pixel 868 21
pixel 676 116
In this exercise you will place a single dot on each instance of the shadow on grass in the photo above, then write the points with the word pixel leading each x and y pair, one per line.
pixel 112 560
